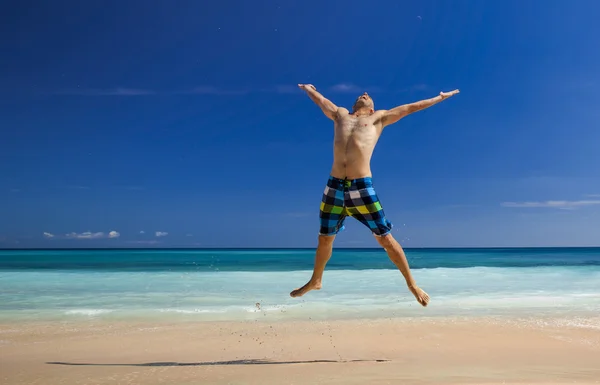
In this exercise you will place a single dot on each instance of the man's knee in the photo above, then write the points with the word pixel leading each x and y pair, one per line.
pixel 326 240
pixel 386 241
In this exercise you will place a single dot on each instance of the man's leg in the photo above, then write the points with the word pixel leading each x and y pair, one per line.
pixel 397 256
pixel 324 250
pixel 364 205
pixel 332 215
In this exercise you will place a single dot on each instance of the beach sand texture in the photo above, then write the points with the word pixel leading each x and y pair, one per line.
pixel 368 351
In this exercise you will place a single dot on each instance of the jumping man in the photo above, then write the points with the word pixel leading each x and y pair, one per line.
pixel 349 190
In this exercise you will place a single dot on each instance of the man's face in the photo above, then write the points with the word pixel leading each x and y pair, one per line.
pixel 363 101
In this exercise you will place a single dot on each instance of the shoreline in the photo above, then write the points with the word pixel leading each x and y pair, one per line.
pixel 262 316
pixel 587 321
pixel 537 322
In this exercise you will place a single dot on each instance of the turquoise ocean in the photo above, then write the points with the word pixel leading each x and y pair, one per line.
pixel 249 284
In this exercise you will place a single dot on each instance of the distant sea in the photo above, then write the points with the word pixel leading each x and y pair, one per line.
pixel 248 284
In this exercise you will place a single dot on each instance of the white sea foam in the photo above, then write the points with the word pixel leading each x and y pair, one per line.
pixel 88 312
pixel 193 311
pixel 346 293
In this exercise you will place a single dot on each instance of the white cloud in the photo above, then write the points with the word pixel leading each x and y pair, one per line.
pixel 161 234
pixel 142 232
pixel 85 235
pixel 592 196
pixel 189 235
pixel 96 235
pixel 565 205
pixel 48 235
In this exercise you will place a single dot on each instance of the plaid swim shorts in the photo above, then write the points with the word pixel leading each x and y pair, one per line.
pixel 355 198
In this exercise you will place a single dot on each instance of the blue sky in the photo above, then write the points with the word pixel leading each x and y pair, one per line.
pixel 180 124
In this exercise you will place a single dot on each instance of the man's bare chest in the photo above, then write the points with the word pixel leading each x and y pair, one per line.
pixel 352 126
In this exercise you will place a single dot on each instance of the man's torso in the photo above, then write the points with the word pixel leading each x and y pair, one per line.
pixel 354 142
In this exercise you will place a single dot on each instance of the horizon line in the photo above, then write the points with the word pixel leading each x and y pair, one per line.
pixel 293 248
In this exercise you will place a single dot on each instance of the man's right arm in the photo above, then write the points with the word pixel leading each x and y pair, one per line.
pixel 397 113
pixel 328 108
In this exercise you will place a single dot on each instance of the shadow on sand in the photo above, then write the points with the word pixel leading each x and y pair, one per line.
pixel 214 363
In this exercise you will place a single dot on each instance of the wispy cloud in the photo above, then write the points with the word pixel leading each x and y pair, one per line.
pixel 349 88
pixel 277 89
pixel 227 91
pixel 564 205
pixel 189 235
pixel 161 234
pixel 48 235
pixel 142 232
pixel 91 235
pixel 592 195
pixel 15 190
pixel 345 88
pixel 85 235
pixel 119 91
pixel 353 88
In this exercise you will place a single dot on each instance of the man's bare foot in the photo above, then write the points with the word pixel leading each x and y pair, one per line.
pixel 306 288
pixel 420 295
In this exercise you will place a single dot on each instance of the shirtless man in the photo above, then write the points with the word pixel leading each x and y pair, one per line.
pixel 349 190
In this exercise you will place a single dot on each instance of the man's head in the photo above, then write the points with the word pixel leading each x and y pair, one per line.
pixel 363 102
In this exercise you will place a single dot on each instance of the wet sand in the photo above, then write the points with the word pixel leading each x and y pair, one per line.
pixel 384 351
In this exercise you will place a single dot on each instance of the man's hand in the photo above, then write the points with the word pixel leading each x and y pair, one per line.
pixel 307 87
pixel 446 95
pixel 328 108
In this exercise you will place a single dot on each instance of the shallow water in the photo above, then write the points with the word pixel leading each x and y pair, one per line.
pixel 246 284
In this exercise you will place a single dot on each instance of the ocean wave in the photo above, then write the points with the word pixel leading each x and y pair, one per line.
pixel 193 311
pixel 88 312
pixel 245 295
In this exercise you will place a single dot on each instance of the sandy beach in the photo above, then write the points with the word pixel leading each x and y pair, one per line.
pixel 381 351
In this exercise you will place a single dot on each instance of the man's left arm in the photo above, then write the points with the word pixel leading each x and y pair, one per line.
pixel 397 113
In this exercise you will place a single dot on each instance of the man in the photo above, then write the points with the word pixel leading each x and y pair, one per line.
pixel 349 190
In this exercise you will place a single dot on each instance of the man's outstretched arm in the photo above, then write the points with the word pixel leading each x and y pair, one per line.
pixel 397 113
pixel 329 109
